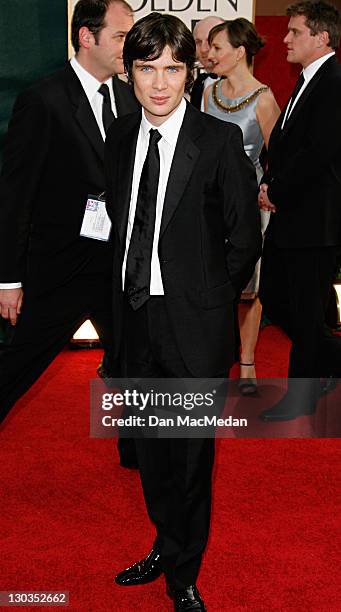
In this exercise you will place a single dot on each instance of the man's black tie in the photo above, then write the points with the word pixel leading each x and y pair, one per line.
pixel 138 267
pixel 107 115
pixel 198 88
pixel 297 88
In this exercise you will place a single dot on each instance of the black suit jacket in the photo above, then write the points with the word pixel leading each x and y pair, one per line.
pixel 210 232
pixel 198 89
pixel 304 171
pixel 53 159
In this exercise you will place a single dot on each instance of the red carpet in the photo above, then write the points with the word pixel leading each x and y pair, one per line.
pixel 71 517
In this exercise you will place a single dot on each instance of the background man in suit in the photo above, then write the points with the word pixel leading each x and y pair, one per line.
pixel 182 196
pixel 302 188
pixel 201 31
pixel 52 279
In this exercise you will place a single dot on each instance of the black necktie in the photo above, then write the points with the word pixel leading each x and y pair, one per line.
pixel 198 88
pixel 107 115
pixel 138 267
pixel 299 84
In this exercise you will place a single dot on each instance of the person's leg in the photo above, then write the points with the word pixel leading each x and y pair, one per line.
pixel 44 327
pixel 309 273
pixel 138 362
pixel 274 292
pixel 100 299
pixel 249 314
pixel 188 514
pixel 186 489
pixel 175 473
pixel 329 351
pixel 102 319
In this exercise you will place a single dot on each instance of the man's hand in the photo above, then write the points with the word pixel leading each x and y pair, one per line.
pixel 263 199
pixel 10 303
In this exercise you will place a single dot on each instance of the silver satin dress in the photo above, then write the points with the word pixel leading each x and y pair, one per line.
pixel 253 143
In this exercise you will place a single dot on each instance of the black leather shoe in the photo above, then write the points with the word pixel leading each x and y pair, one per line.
pixel 186 599
pixel 142 572
pixel 285 411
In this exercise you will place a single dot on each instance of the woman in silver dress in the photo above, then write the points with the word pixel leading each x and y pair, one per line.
pixel 240 98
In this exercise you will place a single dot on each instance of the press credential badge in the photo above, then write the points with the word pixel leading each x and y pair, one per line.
pixel 96 223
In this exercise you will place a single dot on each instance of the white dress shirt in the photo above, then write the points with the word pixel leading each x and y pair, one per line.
pixel 169 131
pixel 90 86
pixel 308 73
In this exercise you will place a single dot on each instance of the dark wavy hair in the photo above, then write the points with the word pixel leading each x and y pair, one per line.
pixel 91 14
pixel 151 34
pixel 241 33
pixel 320 17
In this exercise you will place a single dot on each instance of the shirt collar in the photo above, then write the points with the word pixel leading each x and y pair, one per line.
pixel 311 70
pixel 89 82
pixel 170 129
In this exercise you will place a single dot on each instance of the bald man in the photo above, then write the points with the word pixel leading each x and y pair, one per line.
pixel 201 31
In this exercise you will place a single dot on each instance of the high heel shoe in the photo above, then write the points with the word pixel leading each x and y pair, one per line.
pixel 247 386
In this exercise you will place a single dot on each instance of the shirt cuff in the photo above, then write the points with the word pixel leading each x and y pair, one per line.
pixel 10 285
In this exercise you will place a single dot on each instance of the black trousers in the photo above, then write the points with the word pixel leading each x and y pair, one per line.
pixel 175 473
pixel 295 289
pixel 47 322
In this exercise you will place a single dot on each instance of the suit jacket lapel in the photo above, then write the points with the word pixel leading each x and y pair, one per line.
pixel 83 112
pixel 125 100
pixel 118 97
pixel 184 160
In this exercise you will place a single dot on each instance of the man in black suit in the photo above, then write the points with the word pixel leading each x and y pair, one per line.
pixel 201 31
pixel 182 197
pixel 51 278
pixel 302 188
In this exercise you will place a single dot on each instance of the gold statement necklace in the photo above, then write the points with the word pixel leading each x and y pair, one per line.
pixel 233 108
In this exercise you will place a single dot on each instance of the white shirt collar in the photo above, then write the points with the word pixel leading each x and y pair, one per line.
pixel 311 70
pixel 89 82
pixel 170 129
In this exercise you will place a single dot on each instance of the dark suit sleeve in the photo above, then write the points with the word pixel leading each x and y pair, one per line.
pixel 111 154
pixel 241 212
pixel 108 170
pixel 320 145
pixel 25 150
